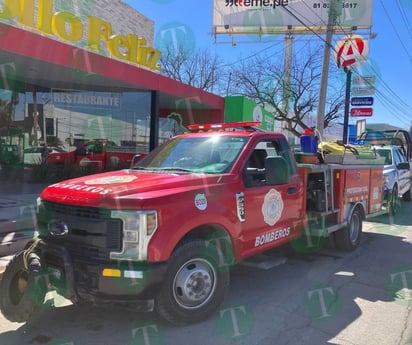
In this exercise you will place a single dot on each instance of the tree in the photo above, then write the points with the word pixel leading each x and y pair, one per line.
pixel 7 108
pixel 262 79
pixel 199 69
pixel 292 99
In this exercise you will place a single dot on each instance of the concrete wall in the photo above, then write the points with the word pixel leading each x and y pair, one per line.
pixel 124 19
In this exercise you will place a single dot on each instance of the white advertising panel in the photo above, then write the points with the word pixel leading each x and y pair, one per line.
pixel 265 17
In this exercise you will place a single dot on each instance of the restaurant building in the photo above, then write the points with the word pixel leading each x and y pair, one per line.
pixel 75 70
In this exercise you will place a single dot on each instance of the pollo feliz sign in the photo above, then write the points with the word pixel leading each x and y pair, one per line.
pixel 68 27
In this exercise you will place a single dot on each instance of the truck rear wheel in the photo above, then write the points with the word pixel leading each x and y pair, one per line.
pixel 348 238
pixel 407 196
pixel 19 295
pixel 393 201
pixel 194 286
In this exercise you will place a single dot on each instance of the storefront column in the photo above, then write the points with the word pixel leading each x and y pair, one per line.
pixel 154 119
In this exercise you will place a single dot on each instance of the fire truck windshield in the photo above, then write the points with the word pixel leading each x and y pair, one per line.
pixel 214 154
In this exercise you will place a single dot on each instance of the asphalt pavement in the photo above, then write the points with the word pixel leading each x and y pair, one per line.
pixel 17 214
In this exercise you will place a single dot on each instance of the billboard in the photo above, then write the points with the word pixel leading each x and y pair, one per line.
pixel 269 17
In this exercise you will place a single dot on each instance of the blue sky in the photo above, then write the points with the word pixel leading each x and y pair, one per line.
pixel 390 52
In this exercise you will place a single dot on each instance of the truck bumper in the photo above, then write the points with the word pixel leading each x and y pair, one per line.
pixel 98 281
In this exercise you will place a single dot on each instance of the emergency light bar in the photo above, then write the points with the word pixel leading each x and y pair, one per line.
pixel 247 125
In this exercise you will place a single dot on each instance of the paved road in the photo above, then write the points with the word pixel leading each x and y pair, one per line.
pixel 358 298
pixel 17 213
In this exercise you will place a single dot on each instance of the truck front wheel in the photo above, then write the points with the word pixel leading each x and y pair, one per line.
pixel 194 286
pixel 348 238
pixel 19 295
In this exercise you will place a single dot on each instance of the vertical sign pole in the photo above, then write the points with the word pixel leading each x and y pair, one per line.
pixel 348 72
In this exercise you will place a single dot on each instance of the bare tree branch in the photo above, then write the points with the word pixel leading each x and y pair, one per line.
pixel 199 69
pixel 292 100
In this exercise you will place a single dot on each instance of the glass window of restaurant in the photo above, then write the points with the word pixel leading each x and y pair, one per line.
pixel 69 118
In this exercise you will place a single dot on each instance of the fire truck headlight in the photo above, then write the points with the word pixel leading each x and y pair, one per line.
pixel 151 223
pixel 131 236
pixel 138 229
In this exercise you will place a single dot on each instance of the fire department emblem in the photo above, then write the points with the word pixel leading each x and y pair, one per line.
pixel 272 207
pixel 201 202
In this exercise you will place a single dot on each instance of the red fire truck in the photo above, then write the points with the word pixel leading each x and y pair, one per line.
pixel 170 228
pixel 96 155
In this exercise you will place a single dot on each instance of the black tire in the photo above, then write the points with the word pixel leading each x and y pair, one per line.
pixel 348 238
pixel 393 201
pixel 194 285
pixel 19 295
pixel 407 196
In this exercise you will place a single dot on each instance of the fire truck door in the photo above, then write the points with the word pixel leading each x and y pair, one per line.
pixel 270 211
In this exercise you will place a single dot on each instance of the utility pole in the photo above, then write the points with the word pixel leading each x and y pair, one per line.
pixel 335 8
pixel 287 72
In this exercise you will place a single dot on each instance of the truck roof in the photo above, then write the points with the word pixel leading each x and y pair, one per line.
pixel 386 147
pixel 399 138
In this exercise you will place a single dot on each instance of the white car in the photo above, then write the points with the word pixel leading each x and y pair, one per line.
pixel 397 174
pixel 35 155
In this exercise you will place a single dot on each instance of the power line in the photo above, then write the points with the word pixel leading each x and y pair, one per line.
pixel 388 98
pixel 401 104
pixel 404 18
pixel 396 31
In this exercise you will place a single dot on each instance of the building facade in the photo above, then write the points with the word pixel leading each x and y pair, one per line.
pixel 76 70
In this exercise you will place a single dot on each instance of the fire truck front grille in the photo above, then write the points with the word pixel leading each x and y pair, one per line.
pixel 91 234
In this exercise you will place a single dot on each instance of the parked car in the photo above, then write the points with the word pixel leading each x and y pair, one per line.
pixel 397 175
pixel 396 147
pixel 35 155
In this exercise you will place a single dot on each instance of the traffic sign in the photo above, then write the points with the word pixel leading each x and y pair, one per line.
pixel 362 91
pixel 367 80
pixel 361 101
pixel 361 112
pixel 351 51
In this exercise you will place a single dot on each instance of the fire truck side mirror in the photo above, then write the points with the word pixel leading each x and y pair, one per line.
pixel 277 171
pixel 135 159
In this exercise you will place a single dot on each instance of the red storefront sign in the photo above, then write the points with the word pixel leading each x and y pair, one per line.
pixel 360 112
